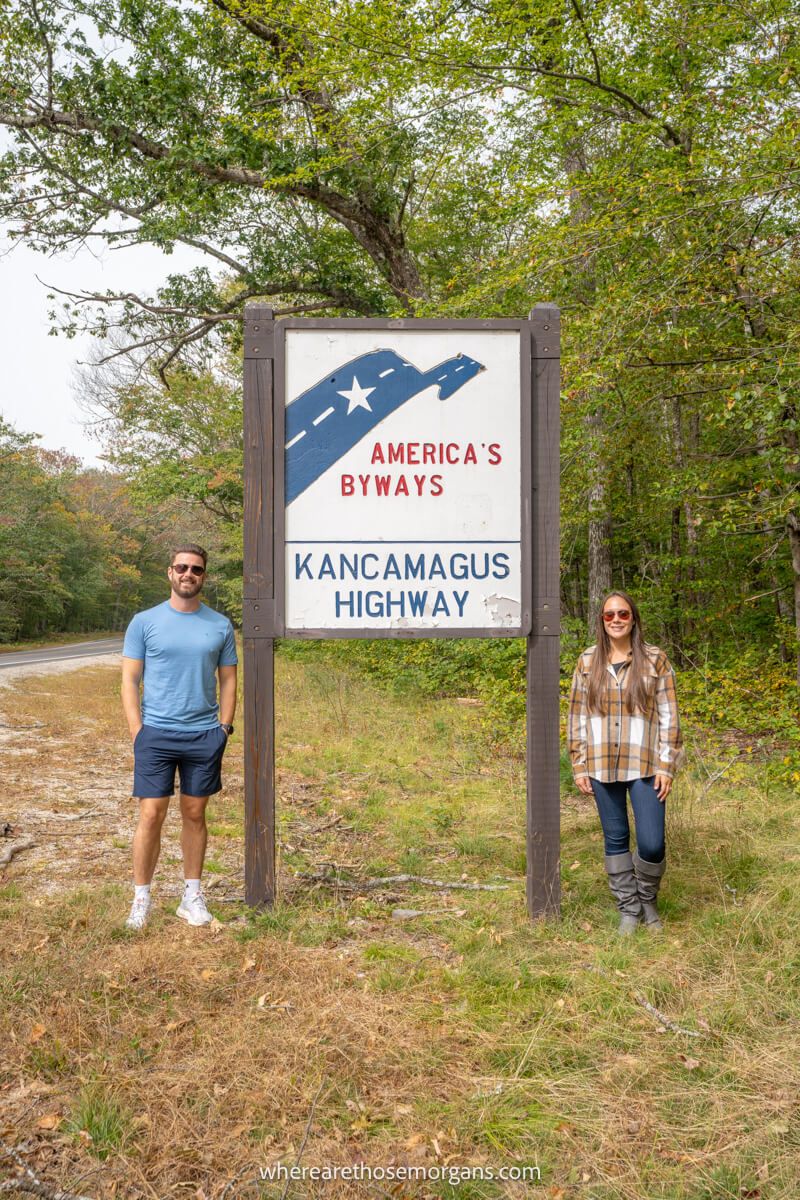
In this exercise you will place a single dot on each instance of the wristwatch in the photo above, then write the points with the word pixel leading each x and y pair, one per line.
pixel 228 728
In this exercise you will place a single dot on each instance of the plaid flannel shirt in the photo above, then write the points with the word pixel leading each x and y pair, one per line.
pixel 618 745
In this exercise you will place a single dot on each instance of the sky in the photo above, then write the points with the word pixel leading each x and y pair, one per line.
pixel 37 383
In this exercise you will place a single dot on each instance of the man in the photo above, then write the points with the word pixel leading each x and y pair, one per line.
pixel 179 647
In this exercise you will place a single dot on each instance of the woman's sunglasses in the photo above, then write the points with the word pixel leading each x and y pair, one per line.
pixel 622 613
pixel 182 568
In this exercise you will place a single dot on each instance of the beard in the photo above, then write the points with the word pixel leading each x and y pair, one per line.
pixel 186 585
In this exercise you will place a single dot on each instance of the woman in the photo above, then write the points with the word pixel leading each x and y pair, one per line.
pixel 624 737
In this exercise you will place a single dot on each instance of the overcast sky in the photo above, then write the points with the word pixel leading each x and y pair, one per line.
pixel 37 385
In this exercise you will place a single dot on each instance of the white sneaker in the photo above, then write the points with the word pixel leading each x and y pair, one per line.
pixel 193 909
pixel 140 911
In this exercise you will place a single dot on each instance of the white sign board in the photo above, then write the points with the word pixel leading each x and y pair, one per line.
pixel 402 480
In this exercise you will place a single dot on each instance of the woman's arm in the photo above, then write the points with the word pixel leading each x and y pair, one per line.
pixel 670 738
pixel 576 732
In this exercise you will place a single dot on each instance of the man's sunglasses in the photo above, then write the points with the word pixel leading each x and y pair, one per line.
pixel 622 613
pixel 182 568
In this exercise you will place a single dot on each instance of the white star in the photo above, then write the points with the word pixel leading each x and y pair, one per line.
pixel 357 396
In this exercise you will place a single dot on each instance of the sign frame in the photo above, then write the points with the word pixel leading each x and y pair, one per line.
pixel 522 628
pixel 263 607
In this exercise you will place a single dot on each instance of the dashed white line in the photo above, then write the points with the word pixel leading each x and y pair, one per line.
pixel 295 439
pixel 318 420
pixel 389 372
pixel 461 368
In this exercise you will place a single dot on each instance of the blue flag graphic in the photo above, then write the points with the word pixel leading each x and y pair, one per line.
pixel 334 415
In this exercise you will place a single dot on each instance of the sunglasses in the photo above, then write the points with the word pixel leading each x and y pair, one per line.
pixel 182 568
pixel 622 613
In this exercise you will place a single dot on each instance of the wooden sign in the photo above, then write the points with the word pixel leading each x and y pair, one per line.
pixel 401 480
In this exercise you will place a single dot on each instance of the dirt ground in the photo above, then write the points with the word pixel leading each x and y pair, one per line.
pixel 68 786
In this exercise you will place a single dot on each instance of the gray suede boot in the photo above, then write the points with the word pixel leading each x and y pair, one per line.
pixel 622 881
pixel 648 881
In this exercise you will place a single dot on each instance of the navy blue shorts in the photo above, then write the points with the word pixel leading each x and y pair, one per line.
pixel 196 753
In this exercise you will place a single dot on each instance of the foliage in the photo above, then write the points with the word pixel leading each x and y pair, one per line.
pixel 635 164
pixel 73 553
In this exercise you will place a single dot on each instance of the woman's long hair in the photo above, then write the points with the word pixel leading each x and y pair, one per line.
pixel 638 694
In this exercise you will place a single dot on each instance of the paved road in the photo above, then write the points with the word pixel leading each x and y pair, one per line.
pixel 19 658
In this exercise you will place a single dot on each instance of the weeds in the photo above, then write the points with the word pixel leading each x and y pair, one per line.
pixel 99 1122
pixel 464 1035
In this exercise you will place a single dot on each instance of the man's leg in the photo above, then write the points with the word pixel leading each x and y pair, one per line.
pixel 146 847
pixel 200 778
pixel 147 838
pixel 194 836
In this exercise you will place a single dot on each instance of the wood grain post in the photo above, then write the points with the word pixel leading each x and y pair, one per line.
pixel 258 607
pixel 542 694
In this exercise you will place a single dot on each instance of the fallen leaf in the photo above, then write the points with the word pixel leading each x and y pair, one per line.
pixel 173 1025
pixel 586 927
pixel 207 973
pixel 574 866
pixel 248 964
pixel 691 1064
pixel 49 1121
pixel 403 1110
pixel 414 1140
pixel 37 1032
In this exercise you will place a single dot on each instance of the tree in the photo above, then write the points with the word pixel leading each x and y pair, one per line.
pixel 635 163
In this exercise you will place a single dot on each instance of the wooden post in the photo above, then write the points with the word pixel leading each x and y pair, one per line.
pixel 542 695
pixel 258 607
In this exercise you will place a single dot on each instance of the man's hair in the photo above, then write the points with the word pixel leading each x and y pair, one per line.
pixel 188 548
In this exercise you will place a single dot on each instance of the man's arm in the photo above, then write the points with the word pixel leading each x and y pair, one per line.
pixel 131 678
pixel 227 694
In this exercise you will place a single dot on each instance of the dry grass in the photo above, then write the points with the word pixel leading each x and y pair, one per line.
pixel 172 1063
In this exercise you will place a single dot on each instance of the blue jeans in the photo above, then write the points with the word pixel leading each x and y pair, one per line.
pixel 648 812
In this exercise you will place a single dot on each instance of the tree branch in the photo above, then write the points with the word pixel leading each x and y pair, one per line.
pixel 372 232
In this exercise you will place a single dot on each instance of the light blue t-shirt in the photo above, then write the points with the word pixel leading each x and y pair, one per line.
pixel 181 652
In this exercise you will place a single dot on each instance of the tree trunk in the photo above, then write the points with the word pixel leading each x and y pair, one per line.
pixel 793 528
pixel 599 526
pixel 685 600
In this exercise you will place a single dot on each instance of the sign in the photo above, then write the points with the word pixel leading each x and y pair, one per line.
pixel 402 480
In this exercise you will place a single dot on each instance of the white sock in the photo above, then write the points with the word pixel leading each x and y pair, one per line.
pixel 191 888
pixel 141 891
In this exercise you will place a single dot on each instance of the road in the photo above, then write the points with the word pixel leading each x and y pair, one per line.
pixel 20 658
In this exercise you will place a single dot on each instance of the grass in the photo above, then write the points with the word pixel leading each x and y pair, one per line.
pixel 165 1064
